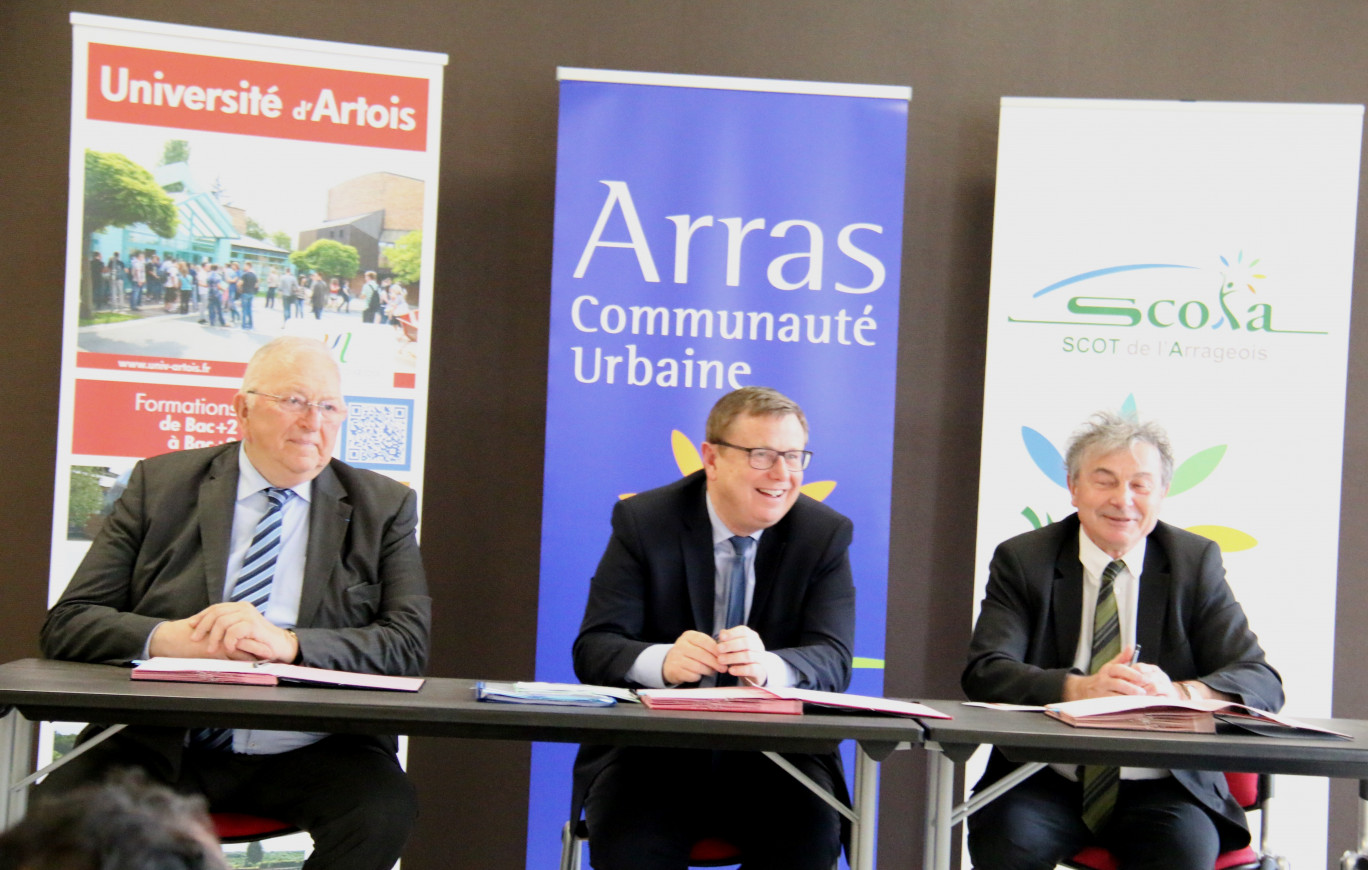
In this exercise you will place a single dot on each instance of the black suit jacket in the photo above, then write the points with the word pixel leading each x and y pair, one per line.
pixel 1188 623
pixel 657 577
pixel 163 554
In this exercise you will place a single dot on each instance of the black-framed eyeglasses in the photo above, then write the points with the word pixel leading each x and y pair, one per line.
pixel 331 411
pixel 763 458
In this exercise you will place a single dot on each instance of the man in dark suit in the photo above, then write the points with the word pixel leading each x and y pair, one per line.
pixel 268 550
pixel 728 574
pixel 1065 608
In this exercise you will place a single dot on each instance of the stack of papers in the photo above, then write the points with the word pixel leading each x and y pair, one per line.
pixel 739 699
pixel 1148 713
pixel 264 674
pixel 755 699
pixel 557 694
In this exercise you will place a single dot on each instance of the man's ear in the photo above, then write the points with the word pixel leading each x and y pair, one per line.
pixel 708 453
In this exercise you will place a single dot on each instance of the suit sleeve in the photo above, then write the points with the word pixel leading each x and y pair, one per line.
pixel 611 633
pixel 1225 652
pixel 93 621
pixel 381 622
pixel 998 669
pixel 821 652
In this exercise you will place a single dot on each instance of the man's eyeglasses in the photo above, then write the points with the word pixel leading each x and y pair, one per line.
pixel 763 458
pixel 331 411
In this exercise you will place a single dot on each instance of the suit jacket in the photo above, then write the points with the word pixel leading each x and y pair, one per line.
pixel 1188 623
pixel 657 577
pixel 163 554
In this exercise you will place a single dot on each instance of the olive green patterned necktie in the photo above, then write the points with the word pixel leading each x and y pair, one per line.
pixel 1101 783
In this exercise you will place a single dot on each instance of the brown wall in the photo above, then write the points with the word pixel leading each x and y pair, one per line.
pixel 494 262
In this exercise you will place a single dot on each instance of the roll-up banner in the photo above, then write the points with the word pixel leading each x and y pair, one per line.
pixel 713 233
pixel 196 151
pixel 1191 263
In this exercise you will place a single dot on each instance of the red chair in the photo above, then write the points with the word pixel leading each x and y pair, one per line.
pixel 708 852
pixel 244 828
pixel 1251 791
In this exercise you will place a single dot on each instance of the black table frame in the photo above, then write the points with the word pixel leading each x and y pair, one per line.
pixel 1035 740
pixel 43 690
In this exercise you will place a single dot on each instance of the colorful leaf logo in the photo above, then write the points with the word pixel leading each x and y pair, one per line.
pixel 1189 473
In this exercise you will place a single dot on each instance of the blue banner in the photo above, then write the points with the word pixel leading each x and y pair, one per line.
pixel 711 234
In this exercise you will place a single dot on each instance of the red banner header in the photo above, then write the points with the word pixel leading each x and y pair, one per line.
pixel 227 95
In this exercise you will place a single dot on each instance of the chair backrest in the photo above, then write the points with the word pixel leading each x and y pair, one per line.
pixel 244 828
pixel 1244 787
pixel 713 852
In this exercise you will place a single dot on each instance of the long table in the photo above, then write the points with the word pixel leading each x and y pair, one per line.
pixel 44 690
pixel 1034 740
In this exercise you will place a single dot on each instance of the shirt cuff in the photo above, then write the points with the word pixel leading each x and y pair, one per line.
pixel 778 673
pixel 649 668
pixel 147 645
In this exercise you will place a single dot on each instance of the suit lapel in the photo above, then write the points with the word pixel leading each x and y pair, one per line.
pixel 1155 581
pixel 217 502
pixel 768 558
pixel 329 514
pixel 1067 600
pixel 700 570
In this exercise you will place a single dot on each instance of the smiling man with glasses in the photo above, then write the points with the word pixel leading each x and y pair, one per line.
pixel 728 575
pixel 266 549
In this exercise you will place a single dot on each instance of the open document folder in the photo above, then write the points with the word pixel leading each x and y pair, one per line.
pixel 264 674
pixel 1197 715
pixel 758 699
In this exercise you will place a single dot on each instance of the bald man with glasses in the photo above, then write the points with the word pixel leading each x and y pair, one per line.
pixel 267 549
pixel 727 576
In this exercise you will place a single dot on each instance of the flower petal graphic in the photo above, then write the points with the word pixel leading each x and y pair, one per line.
pixel 818 489
pixel 1128 408
pixel 1196 469
pixel 685 453
pixel 1228 539
pixel 1045 455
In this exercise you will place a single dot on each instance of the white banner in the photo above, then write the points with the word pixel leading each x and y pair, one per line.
pixel 1191 262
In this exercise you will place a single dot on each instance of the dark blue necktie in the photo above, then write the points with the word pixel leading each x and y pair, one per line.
pixel 736 583
pixel 734 613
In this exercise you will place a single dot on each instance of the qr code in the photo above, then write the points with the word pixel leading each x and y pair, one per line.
pixel 378 433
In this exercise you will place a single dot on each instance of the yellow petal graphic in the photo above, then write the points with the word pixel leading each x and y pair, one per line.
pixel 685 453
pixel 818 489
pixel 866 662
pixel 1228 539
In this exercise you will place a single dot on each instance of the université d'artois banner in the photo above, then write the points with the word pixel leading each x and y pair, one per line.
pixel 1190 263
pixel 192 146
pixel 713 233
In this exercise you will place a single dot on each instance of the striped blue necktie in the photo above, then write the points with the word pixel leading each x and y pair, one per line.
pixel 253 585
pixel 254 580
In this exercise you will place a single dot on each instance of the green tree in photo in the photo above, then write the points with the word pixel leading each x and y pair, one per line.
pixel 406 258
pixel 254 230
pixel 331 258
pixel 120 193
pixel 175 151
pixel 281 240
pixel 255 853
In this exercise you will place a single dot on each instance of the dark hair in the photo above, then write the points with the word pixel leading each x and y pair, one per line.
pixel 124 823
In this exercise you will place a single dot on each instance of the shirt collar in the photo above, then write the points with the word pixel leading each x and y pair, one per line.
pixel 720 532
pixel 251 481
pixel 1095 561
